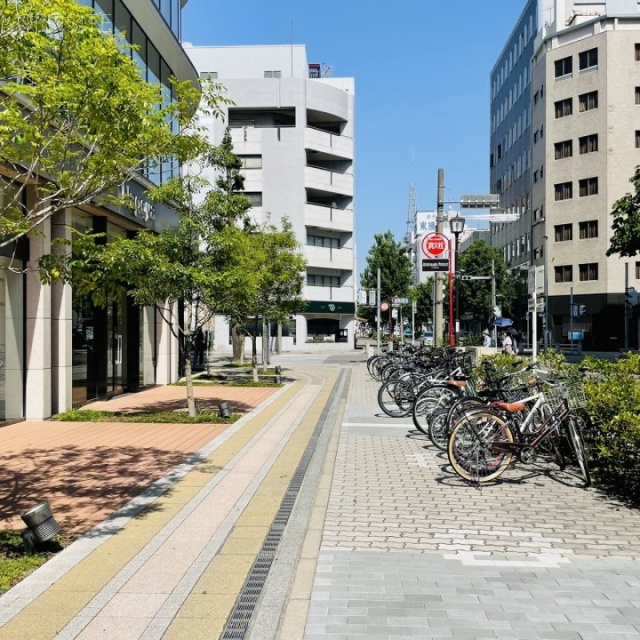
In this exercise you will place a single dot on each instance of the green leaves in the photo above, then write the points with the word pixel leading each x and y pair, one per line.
pixel 75 113
pixel 625 240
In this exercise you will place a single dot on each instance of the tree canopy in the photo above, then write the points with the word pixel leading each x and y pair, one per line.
pixel 475 295
pixel 76 117
pixel 395 266
pixel 626 222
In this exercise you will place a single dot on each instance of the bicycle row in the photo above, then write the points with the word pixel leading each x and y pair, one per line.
pixel 484 418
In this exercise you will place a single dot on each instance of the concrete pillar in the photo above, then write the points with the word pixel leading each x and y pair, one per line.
pixel 38 330
pixel 61 326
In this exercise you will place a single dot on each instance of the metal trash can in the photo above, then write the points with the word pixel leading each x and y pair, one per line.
pixel 41 522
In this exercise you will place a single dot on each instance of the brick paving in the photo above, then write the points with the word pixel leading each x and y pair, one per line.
pixel 88 470
pixel 410 550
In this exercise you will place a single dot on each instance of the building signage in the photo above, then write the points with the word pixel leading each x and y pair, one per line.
pixel 435 265
pixel 317 306
pixel 434 245
pixel 141 208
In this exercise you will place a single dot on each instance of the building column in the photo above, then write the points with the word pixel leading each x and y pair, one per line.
pixel 38 330
pixel 167 352
pixel 61 326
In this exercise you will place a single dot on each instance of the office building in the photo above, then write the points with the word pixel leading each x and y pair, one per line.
pixel 292 124
pixel 56 349
pixel 565 140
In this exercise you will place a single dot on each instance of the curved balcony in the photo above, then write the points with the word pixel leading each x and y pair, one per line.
pixel 329 258
pixel 325 180
pixel 324 217
pixel 327 142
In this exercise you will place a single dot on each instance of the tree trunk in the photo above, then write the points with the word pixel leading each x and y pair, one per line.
pixel 237 345
pixel 191 401
pixel 254 357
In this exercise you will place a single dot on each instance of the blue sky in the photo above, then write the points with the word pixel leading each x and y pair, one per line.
pixel 421 69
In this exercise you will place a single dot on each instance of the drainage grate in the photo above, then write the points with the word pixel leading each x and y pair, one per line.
pixel 240 618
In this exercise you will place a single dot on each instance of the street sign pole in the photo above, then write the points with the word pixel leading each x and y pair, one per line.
pixel 378 318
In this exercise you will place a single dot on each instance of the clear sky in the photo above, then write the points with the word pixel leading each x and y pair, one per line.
pixel 421 69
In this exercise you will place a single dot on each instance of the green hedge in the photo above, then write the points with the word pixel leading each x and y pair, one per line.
pixel 612 436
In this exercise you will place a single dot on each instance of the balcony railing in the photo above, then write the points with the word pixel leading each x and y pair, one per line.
pixel 326 180
pixel 330 258
pixel 328 142
pixel 327 217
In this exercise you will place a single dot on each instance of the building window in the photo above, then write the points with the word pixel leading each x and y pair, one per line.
pixel 588 271
pixel 563 191
pixel 563 232
pixel 637 139
pixel 564 107
pixel 588 187
pixel 588 144
pixel 588 229
pixel 637 270
pixel 323 241
pixel 637 51
pixel 588 101
pixel 564 149
pixel 273 74
pixel 255 197
pixel 317 280
pixel 588 59
pixel 637 95
pixel 209 75
pixel 251 162
pixel 564 273
pixel 564 67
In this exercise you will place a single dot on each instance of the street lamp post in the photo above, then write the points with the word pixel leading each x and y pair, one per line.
pixel 457 227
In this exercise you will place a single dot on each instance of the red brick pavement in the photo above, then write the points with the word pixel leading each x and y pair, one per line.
pixel 88 470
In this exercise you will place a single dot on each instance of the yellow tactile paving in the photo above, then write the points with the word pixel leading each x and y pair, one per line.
pixel 262 509
pixel 93 573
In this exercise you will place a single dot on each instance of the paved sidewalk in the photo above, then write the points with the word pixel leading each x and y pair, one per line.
pixel 410 551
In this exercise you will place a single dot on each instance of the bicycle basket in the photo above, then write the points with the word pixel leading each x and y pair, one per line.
pixel 573 394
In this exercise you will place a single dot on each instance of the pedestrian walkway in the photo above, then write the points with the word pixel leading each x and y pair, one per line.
pixel 410 551
pixel 317 516
pixel 172 562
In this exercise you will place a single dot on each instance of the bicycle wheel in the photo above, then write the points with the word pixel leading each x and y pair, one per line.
pixel 396 398
pixel 440 430
pixel 574 435
pixel 472 447
pixel 431 399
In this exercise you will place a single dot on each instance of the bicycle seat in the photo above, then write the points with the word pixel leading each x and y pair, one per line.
pixel 511 407
pixel 461 384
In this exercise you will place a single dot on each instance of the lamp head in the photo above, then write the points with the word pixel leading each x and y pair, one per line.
pixel 456 224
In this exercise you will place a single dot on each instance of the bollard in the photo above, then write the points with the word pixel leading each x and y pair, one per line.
pixel 225 412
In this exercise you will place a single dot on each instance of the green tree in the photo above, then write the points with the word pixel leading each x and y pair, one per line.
pixel 625 240
pixel 423 295
pixel 192 265
pixel 395 266
pixel 268 270
pixel 475 295
pixel 77 119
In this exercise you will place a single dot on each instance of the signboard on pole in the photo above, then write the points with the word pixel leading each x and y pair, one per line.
pixel 435 265
pixel 434 245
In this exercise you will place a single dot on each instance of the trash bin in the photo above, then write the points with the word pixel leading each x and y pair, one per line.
pixel 41 522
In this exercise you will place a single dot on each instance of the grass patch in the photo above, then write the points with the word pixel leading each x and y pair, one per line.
pixel 16 563
pixel 164 417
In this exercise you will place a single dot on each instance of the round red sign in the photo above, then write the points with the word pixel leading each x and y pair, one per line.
pixel 434 245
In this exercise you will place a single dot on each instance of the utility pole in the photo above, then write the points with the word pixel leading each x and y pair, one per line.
pixel 494 304
pixel 438 298
pixel 627 313
pixel 379 302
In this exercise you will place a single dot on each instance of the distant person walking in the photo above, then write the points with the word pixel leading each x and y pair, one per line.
pixel 507 344
pixel 486 339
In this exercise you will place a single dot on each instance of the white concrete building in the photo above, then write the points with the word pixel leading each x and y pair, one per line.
pixel 293 127
pixel 565 140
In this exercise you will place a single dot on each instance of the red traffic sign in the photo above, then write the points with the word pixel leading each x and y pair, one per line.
pixel 384 306
pixel 434 245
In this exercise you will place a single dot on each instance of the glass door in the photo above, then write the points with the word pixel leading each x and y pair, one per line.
pixel 116 346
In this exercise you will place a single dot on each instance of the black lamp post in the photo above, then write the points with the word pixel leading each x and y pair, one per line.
pixel 456 225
